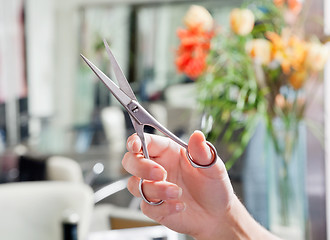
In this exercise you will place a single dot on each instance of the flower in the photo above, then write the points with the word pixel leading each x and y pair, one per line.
pixel 317 55
pixel 288 50
pixel 194 42
pixel 198 16
pixel 297 79
pixel 280 101
pixel 294 6
pixel 256 78
pixel 260 49
pixel 259 67
pixel 241 21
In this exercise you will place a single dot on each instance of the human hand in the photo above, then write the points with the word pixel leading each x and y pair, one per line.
pixel 196 201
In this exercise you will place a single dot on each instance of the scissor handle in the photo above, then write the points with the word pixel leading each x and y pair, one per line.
pixel 143 117
pixel 192 162
pixel 214 155
pixel 144 197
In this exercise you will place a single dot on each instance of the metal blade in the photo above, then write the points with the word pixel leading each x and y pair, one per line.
pixel 122 81
pixel 115 90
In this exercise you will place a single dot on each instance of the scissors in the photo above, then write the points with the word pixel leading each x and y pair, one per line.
pixel 138 115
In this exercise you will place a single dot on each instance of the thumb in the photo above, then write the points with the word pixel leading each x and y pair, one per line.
pixel 199 150
pixel 203 155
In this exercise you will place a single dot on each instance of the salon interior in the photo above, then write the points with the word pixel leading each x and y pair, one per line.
pixel 63 134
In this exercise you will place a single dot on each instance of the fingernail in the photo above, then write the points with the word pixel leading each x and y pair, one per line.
pixel 179 207
pixel 130 145
pixel 198 131
pixel 173 192
pixel 157 174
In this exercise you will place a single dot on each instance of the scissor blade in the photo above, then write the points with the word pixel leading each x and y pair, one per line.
pixel 118 93
pixel 122 81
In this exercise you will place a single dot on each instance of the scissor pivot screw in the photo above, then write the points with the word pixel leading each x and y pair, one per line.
pixel 135 109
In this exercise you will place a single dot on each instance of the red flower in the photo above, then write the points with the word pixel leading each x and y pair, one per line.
pixel 193 49
pixel 294 6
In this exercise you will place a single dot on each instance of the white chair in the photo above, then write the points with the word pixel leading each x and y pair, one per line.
pixel 63 169
pixel 35 210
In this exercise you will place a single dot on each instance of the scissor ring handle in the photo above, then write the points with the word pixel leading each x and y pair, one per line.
pixel 144 197
pixel 214 160
pixel 194 164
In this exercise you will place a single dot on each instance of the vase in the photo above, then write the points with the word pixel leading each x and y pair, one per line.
pixel 254 176
pixel 287 198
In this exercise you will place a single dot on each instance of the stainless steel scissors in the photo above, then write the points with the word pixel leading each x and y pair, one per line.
pixel 139 116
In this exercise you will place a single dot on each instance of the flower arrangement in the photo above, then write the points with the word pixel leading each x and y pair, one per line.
pixel 260 66
pixel 195 41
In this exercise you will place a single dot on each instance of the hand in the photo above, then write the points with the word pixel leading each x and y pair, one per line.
pixel 196 201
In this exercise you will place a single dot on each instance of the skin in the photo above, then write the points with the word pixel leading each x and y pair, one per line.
pixel 197 202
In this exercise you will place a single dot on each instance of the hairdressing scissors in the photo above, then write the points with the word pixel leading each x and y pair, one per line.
pixel 138 115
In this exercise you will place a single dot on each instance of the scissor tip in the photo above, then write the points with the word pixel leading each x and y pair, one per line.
pixel 86 60
pixel 83 57
pixel 105 42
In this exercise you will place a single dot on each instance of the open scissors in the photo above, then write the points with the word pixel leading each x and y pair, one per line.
pixel 139 116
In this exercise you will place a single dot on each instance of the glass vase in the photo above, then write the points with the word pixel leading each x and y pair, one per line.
pixel 286 161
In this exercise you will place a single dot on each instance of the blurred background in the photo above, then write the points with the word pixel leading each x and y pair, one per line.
pixel 59 123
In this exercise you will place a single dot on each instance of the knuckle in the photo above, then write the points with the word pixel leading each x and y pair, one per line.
pixel 125 159
pixel 144 208
pixel 161 189
pixel 130 185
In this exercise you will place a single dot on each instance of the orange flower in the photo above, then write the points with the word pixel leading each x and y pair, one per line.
pixel 288 49
pixel 297 79
pixel 279 3
pixel 280 101
pixel 241 21
pixel 198 15
pixel 294 6
pixel 279 52
pixel 193 50
pixel 297 50
pixel 260 50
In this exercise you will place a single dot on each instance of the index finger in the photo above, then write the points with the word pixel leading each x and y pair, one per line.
pixel 156 144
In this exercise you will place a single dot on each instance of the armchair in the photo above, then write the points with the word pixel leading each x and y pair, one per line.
pixel 35 210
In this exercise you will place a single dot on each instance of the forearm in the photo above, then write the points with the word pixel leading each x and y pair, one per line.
pixel 238 224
